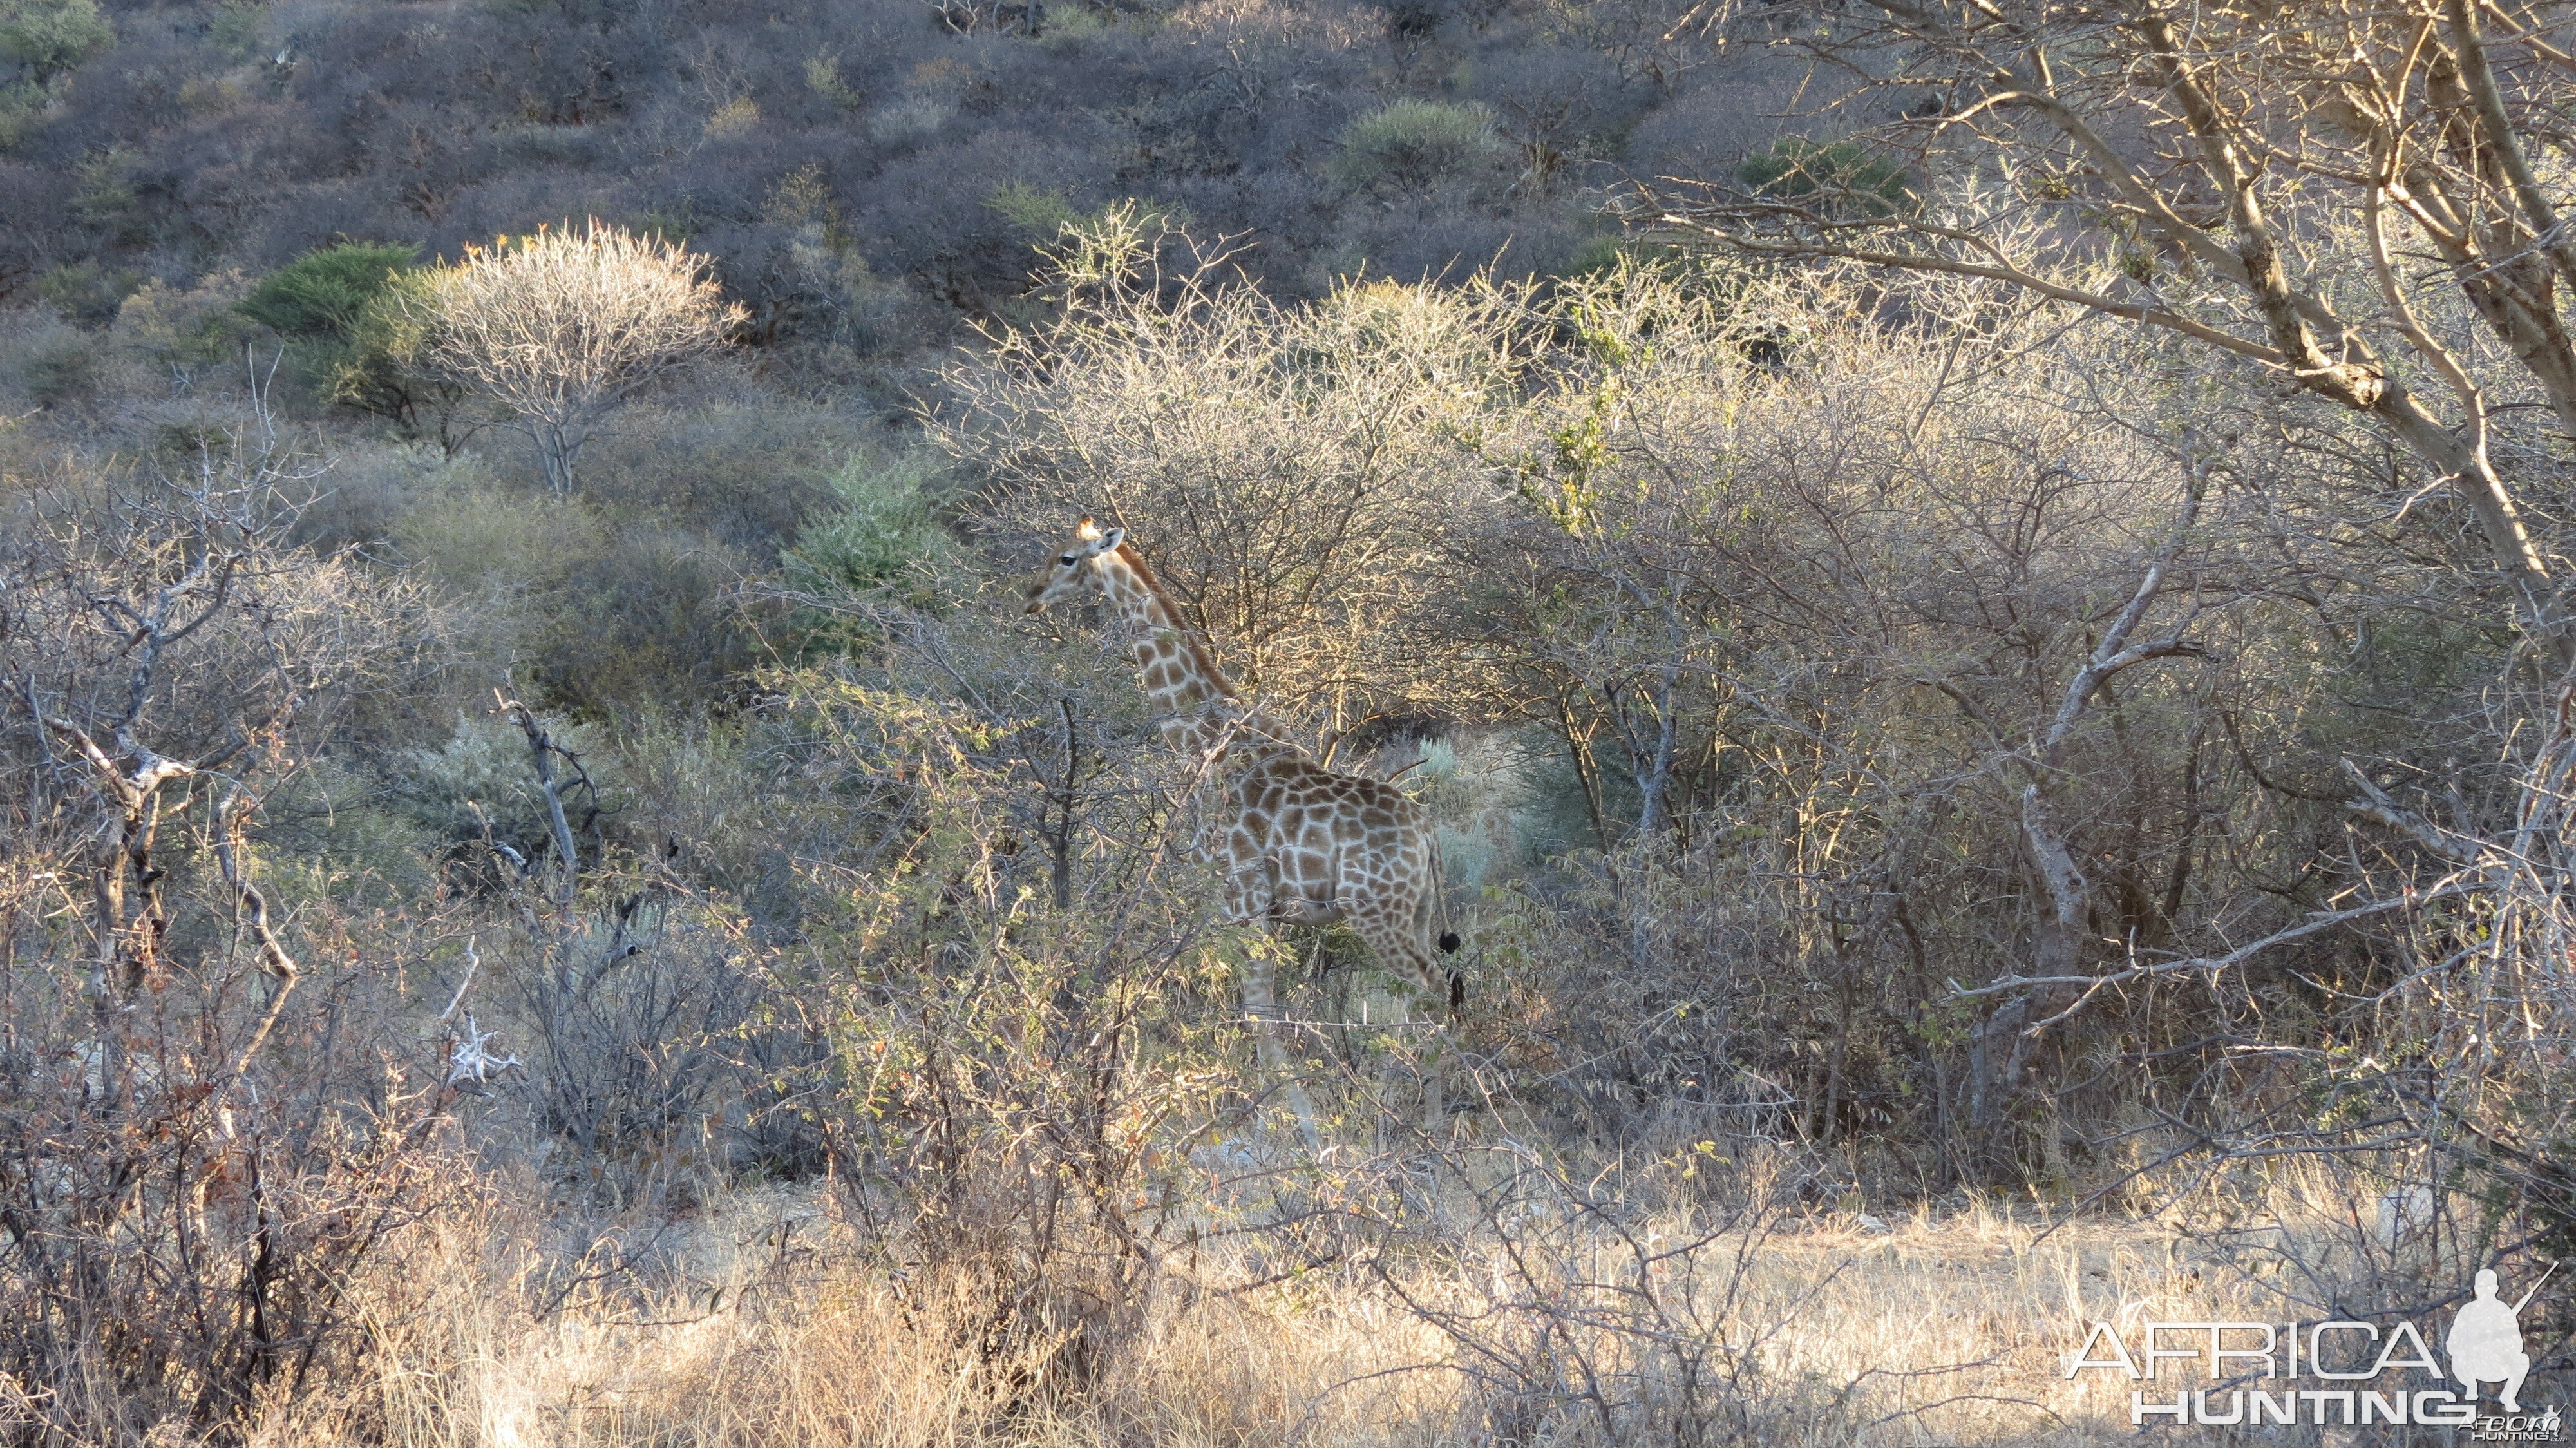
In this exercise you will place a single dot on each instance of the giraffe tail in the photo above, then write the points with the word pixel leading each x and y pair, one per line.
pixel 1447 937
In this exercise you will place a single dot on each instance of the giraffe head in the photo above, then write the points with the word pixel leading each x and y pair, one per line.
pixel 1074 571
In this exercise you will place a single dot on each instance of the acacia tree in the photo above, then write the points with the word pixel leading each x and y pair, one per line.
pixel 2345 195
pixel 1851 633
pixel 1291 470
pixel 562 326
pixel 2366 205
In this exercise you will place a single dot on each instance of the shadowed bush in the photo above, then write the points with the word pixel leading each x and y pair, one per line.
pixel 1842 177
pixel 1412 144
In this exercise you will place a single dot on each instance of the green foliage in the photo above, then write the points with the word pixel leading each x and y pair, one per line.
pixel 42 41
pixel 823 78
pixel 471 532
pixel 1410 144
pixel 478 783
pixel 325 293
pixel 1597 256
pixel 374 370
pixel 238 27
pixel 48 38
pixel 19 106
pixel 1841 177
pixel 882 530
pixel 1581 450
pixel 1069 27
pixel 1602 259
pixel 652 618
pixel 353 310
pixel 1033 211
pixel 103 195
pixel 87 291
pixel 338 834
pixel 676 227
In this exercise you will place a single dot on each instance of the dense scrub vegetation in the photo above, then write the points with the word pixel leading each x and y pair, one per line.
pixel 525 754
pixel 864 173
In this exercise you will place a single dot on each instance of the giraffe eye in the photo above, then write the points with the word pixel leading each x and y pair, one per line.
pixel 1066 560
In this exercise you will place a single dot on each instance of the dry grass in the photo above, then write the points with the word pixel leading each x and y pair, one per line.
pixel 1936 1329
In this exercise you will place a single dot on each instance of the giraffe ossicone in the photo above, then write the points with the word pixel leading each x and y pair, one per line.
pixel 1300 843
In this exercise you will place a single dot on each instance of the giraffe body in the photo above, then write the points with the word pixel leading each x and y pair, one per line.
pixel 1306 845
pixel 1300 843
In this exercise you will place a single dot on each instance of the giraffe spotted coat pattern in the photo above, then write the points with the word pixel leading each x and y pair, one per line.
pixel 1302 844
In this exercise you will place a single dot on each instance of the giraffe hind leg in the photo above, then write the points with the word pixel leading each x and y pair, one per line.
pixel 1397 950
pixel 1398 947
pixel 1426 914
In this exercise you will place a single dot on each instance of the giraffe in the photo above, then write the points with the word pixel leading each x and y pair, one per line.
pixel 1301 844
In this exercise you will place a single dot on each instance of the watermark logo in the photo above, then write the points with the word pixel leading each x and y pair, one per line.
pixel 2486 1343
pixel 2484 1346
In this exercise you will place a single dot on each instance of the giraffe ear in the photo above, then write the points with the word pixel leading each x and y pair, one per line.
pixel 1110 540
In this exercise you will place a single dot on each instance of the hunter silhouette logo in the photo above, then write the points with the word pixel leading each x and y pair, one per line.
pixel 2362 1372
pixel 2486 1342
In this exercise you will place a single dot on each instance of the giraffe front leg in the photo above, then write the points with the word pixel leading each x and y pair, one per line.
pixel 1250 889
pixel 1250 885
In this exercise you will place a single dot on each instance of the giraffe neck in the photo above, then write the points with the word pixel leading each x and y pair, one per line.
pixel 1174 668
pixel 1172 662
